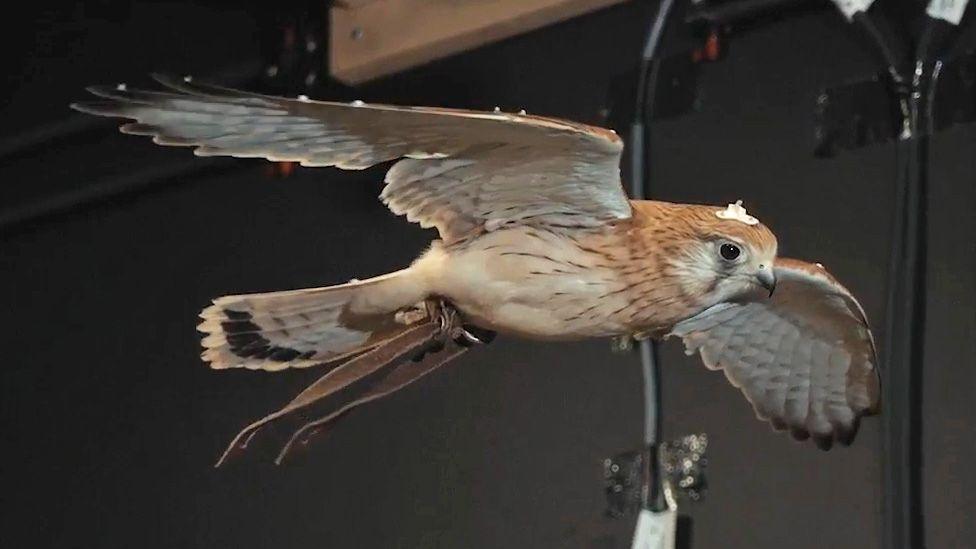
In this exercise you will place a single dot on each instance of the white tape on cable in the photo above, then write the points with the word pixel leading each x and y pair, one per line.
pixel 655 530
pixel 850 7
pixel 947 10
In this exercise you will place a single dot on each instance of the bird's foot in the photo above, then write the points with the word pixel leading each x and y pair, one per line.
pixel 452 324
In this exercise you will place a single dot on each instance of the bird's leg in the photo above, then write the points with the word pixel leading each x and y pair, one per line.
pixel 452 324
pixel 625 343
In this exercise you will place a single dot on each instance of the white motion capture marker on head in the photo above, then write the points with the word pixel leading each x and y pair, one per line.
pixel 188 79
pixel 738 213
pixel 121 87
pixel 522 112
pixel 303 98
pixel 357 103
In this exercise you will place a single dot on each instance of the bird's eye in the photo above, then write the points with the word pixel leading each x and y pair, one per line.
pixel 730 252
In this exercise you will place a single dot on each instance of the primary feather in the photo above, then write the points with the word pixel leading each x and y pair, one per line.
pixel 462 171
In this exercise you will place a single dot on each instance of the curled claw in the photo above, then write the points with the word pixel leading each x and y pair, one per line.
pixel 472 335
pixel 469 337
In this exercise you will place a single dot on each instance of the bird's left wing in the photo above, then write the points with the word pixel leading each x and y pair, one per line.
pixel 805 358
pixel 461 171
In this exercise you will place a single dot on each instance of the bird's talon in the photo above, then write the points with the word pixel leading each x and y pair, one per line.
pixel 471 338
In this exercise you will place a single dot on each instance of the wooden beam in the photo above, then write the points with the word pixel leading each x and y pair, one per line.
pixel 372 38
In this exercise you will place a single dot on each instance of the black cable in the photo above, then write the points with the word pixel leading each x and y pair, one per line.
pixel 905 341
pixel 105 190
pixel 913 82
pixel 903 353
pixel 652 491
pixel 900 524
pixel 44 135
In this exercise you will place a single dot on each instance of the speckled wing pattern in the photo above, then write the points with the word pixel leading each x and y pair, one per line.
pixel 804 358
pixel 459 171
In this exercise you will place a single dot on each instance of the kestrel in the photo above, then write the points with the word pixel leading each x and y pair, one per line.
pixel 537 239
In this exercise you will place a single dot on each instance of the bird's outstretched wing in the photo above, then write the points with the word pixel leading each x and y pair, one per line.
pixel 804 358
pixel 461 171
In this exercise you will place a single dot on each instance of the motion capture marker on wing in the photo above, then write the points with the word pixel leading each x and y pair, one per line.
pixel 425 155
pixel 736 212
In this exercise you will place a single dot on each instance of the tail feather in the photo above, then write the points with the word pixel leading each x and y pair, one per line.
pixel 303 328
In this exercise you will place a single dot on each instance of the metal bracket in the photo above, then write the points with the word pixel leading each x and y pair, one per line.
pixel 682 463
pixel 864 113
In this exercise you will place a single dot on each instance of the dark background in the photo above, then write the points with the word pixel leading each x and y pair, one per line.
pixel 110 422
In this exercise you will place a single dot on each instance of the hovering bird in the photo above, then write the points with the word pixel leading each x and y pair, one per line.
pixel 537 239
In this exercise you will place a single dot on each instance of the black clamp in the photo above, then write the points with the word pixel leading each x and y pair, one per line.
pixel 680 466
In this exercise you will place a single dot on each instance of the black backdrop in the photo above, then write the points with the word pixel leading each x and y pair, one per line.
pixel 111 423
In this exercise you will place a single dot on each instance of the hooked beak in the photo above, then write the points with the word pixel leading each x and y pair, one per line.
pixel 766 278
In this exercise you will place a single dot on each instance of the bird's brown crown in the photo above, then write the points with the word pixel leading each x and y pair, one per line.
pixel 702 222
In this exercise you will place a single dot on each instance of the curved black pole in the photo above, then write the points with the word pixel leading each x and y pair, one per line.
pixel 652 494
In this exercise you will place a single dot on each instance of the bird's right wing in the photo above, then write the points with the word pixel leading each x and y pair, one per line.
pixel 460 171
pixel 804 358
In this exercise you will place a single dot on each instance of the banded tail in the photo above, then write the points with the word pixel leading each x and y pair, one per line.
pixel 302 328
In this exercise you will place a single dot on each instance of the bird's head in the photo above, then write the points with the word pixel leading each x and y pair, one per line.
pixel 723 254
